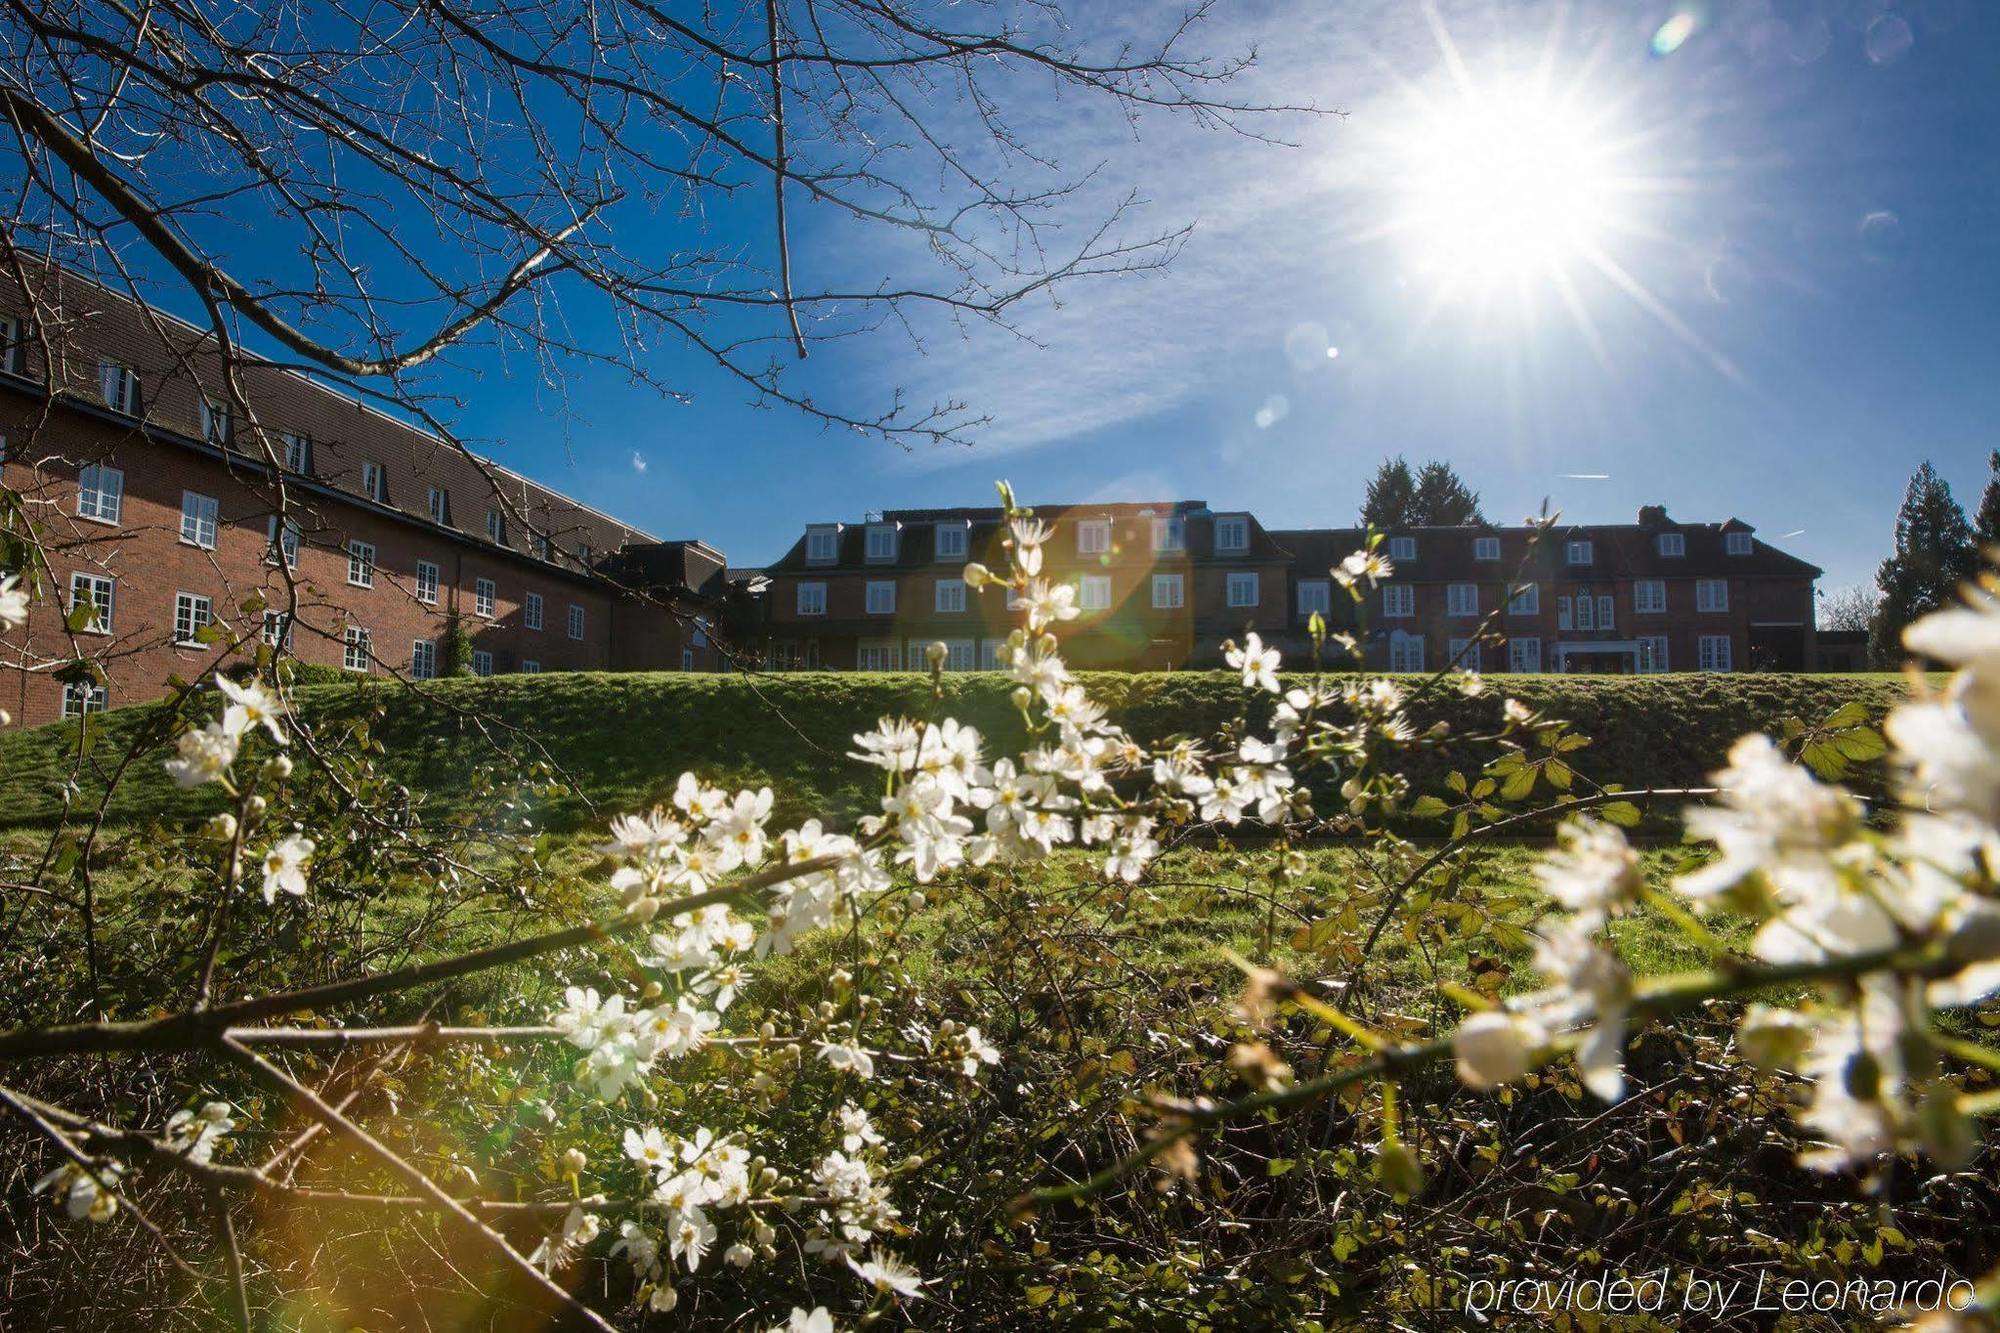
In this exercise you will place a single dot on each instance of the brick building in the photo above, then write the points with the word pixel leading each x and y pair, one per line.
pixel 158 507
pixel 1162 585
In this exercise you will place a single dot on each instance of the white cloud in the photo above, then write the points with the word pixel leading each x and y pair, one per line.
pixel 638 461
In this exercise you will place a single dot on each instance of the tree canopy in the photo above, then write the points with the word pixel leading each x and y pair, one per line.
pixel 1433 496
pixel 1934 554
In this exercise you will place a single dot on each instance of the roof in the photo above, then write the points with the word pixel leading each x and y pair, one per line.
pixel 1131 531
pixel 1618 550
pixel 176 373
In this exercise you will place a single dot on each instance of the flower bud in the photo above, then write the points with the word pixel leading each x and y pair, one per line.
pixel 917 900
pixel 738 1255
pixel 1023 696
pixel 1399 1170
pixel 573 1162
pixel 255 807
pixel 977 575
pixel 221 827
pixel 1493 1048
pixel 278 768
pixel 935 653
pixel 652 990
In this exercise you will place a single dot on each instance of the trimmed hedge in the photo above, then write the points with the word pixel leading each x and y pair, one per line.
pixel 623 738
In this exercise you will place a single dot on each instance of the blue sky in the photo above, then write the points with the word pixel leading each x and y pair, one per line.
pixel 1790 302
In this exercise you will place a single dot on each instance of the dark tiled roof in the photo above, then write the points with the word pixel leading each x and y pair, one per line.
pixel 1130 531
pixel 1618 551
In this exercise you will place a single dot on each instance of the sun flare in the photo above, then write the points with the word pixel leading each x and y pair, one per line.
pixel 1504 184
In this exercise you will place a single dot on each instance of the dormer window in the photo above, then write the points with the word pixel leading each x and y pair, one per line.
pixel 584 554
pixel 13 347
pixel 298 455
pixel 375 483
pixel 1485 548
pixel 119 383
pixel 882 541
pixel 822 545
pixel 216 426
pixel 1232 534
pixel 440 505
pixel 951 541
pixel 496 526
pixel 1579 553
pixel 1093 536
pixel 1736 543
pixel 1402 548
pixel 1169 534
pixel 1671 544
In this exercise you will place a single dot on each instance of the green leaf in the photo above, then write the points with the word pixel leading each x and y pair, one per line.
pixel 1277 1166
pixel 1623 813
pixel 1040 1295
pixel 1559 774
pixel 1428 807
pixel 1854 713
pixel 1456 781
pixel 1518 785
pixel 81 617
pixel 1862 744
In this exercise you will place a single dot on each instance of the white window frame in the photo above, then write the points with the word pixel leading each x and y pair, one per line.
pixel 1485 548
pixel 1169 592
pixel 530 667
pixel 79 699
pixel 13 347
pixel 357 647
pixel 1564 619
pixel 878 655
pixel 881 597
pixel 1402 548
pixel 1738 543
pixel 951 541
pixel 496 527
pixel 196 612
pixel 200 519
pixel 485 595
pixel 298 454
pixel 1607 611
pixel 1170 533
pixel 1470 648
pixel 1653 654
pixel 360 563
pixel 1094 593
pixel 1524 656
pixel 812 599
pixel 439 504
pixel 374 481
pixel 950 597
pixel 576 622
pixel 423 659
pixel 531 610
pixel 826 535
pixel 1399 601
pixel 1715 652
pixel 1315 595
pixel 427 582
pixel 1711 595
pixel 281 540
pixel 217 423
pixel 1580 552
pixel 100 493
pixel 277 631
pixel 1093 536
pixel 482 662
pixel 1649 597
pixel 1232 533
pixel 1461 599
pixel 880 544
pixel 961 654
pixel 687 659
pixel 1525 599
pixel 1671 545
pixel 1586 611
pixel 118 383
pixel 104 609
pixel 1406 652
pixel 1240 588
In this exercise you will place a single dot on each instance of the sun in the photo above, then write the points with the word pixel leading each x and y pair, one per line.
pixel 1504 184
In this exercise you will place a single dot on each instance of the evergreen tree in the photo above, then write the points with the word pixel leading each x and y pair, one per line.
pixel 1986 527
pixel 1934 554
pixel 1391 496
pixel 1443 500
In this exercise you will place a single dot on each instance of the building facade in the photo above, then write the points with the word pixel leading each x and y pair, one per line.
pixel 1162 585
pixel 172 525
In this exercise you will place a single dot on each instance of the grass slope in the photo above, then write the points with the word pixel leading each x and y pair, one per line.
pixel 624 737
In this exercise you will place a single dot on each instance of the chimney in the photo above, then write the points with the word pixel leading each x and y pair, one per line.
pixel 1652 516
